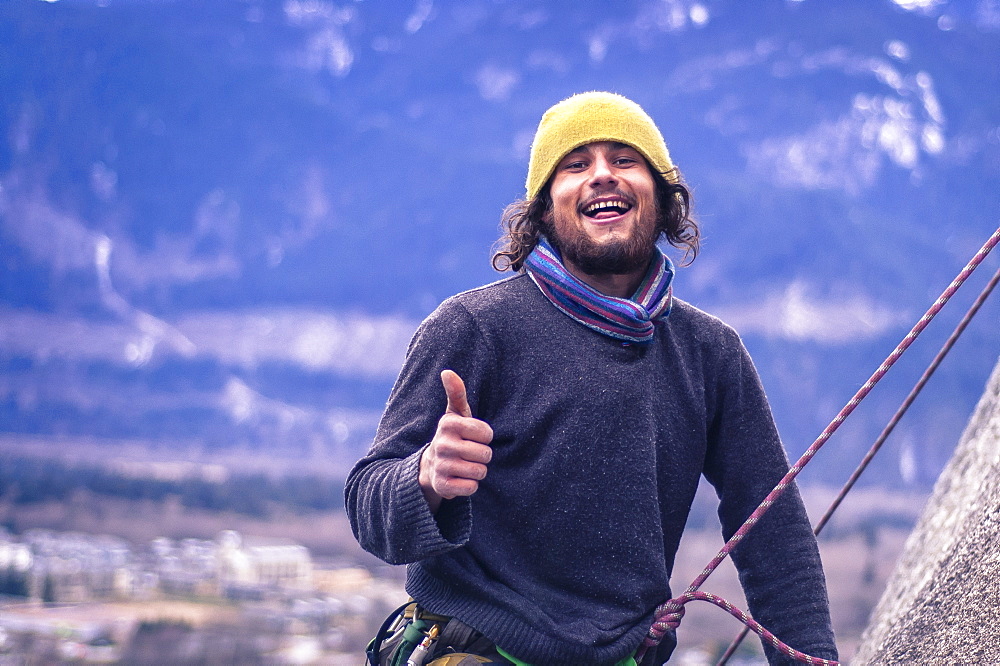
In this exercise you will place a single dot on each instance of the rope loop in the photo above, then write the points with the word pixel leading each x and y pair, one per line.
pixel 668 615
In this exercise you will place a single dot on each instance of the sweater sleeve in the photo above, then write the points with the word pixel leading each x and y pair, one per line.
pixel 385 505
pixel 778 561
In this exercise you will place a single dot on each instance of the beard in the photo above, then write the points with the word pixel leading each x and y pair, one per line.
pixel 618 255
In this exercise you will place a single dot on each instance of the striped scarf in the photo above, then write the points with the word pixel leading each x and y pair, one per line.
pixel 631 319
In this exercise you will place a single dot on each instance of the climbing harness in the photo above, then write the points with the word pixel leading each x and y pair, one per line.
pixel 668 615
pixel 405 638
pixel 411 636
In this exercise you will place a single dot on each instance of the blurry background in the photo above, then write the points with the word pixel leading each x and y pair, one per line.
pixel 221 222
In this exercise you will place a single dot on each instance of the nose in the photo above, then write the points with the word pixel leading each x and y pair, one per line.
pixel 602 174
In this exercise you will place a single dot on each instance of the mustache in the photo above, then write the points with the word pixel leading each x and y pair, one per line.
pixel 630 200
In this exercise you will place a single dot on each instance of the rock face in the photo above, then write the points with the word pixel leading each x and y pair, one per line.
pixel 941 604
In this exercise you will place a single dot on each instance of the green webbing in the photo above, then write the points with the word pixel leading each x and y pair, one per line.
pixel 412 635
pixel 627 661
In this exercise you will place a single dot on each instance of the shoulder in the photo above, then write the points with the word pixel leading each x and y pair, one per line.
pixel 707 342
pixel 492 301
pixel 500 294
pixel 477 311
pixel 695 324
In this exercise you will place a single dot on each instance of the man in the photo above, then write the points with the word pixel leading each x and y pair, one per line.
pixel 540 451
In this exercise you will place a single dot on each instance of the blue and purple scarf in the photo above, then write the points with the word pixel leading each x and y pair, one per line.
pixel 631 319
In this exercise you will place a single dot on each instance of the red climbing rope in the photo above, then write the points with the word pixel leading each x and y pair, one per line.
pixel 890 426
pixel 905 405
pixel 668 614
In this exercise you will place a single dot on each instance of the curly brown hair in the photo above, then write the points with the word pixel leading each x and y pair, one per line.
pixel 523 222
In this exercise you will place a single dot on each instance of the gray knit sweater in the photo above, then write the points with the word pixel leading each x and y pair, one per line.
pixel 568 545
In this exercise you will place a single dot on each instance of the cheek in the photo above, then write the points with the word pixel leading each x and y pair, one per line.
pixel 564 204
pixel 562 217
pixel 647 203
pixel 559 192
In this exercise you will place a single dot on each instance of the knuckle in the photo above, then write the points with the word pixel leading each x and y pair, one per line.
pixel 458 487
pixel 448 422
pixel 447 468
pixel 480 453
pixel 433 457
pixel 445 446
pixel 443 486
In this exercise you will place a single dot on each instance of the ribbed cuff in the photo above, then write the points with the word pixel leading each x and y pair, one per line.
pixel 432 534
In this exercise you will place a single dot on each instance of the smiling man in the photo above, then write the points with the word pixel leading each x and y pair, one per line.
pixel 539 453
pixel 604 215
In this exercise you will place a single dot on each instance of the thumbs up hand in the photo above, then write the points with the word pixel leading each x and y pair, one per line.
pixel 455 461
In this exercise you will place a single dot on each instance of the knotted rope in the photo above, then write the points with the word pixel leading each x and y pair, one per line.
pixel 668 615
pixel 890 426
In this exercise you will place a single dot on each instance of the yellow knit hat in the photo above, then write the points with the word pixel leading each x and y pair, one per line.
pixel 589 117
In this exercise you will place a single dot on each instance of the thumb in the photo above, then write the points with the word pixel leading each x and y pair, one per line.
pixel 454 388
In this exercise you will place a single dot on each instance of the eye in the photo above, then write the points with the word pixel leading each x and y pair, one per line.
pixel 575 165
pixel 625 161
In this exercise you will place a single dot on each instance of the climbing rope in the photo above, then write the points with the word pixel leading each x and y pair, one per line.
pixel 890 426
pixel 668 615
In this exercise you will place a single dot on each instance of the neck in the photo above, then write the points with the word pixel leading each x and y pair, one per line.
pixel 619 285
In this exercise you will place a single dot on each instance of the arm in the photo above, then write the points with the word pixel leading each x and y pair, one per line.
pixel 778 561
pixel 407 499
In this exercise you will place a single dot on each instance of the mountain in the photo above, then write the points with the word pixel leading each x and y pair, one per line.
pixel 948 555
pixel 221 222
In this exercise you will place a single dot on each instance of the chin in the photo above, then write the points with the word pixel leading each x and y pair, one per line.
pixel 621 232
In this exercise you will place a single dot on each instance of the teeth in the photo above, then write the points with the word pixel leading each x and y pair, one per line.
pixel 601 205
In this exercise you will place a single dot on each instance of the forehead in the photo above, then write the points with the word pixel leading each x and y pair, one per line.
pixel 601 145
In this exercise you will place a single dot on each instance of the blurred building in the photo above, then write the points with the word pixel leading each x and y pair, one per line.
pixel 255 562
pixel 288 610
pixel 71 567
pixel 232 565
